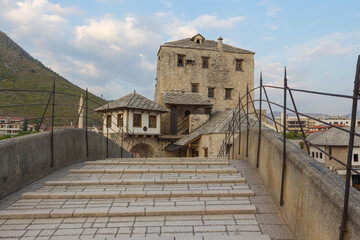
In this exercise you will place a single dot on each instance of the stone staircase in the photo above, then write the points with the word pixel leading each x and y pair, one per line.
pixel 154 198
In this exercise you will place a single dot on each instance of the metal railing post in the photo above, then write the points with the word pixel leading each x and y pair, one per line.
pixel 86 124
pixel 284 143
pixel 343 228
pixel 247 120
pixel 298 118
pixel 233 135
pixel 272 114
pixel 42 118
pixel 239 125
pixel 52 126
pixel 107 132
pixel 259 119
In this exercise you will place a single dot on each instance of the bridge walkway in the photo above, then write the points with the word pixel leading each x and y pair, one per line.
pixel 163 198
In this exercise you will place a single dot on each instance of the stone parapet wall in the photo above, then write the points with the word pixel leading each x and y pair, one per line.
pixel 28 158
pixel 313 195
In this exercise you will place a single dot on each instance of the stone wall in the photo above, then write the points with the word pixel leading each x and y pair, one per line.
pixel 212 142
pixel 28 158
pixel 196 120
pixel 221 74
pixel 313 195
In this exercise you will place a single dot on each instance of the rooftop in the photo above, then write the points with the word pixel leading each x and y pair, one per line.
pixel 204 45
pixel 186 98
pixel 333 137
pixel 133 101
pixel 218 123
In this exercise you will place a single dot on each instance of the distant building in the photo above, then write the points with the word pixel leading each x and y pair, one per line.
pixel 338 120
pixel 335 142
pixel 10 125
pixel 322 128
pixel 293 123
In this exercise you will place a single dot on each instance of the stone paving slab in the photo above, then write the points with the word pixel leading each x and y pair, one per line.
pixel 154 163
pixel 140 227
pixel 137 194
pixel 148 201
pixel 144 181
pixel 169 170
pixel 127 211
pixel 168 159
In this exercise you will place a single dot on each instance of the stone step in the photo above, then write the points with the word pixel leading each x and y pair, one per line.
pixel 169 170
pixel 195 159
pixel 128 211
pixel 144 181
pixel 137 194
pixel 213 236
pixel 110 162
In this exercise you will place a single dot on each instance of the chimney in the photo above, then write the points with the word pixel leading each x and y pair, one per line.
pixel 220 44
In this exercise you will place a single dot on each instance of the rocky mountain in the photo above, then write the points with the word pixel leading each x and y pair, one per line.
pixel 19 70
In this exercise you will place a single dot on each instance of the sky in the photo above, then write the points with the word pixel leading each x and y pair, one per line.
pixel 110 46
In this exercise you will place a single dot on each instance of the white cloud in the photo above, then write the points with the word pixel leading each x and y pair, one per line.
pixel 178 29
pixel 168 4
pixel 212 21
pixel 333 44
pixel 268 38
pixel 145 64
pixel 272 11
pixel 106 53
pixel 35 20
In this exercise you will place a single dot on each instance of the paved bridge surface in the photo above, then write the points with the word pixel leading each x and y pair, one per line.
pixel 159 198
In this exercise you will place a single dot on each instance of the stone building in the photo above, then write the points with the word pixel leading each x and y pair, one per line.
pixel 335 142
pixel 10 125
pixel 213 72
pixel 134 122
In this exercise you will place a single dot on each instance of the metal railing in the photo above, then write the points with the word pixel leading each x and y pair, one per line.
pixel 241 116
pixel 54 103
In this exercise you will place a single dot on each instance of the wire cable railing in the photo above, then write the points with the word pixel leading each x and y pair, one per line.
pixel 241 114
pixel 50 113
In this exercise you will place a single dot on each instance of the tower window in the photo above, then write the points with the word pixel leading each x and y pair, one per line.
pixel 194 87
pixel 205 62
pixel 180 60
pixel 239 64
pixel 211 92
pixel 228 92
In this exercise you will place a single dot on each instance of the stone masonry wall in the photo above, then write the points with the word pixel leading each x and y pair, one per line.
pixel 221 74
pixel 313 195
pixel 196 120
pixel 28 158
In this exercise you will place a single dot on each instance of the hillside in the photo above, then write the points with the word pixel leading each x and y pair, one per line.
pixel 19 70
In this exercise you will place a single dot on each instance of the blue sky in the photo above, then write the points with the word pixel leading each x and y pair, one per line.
pixel 110 46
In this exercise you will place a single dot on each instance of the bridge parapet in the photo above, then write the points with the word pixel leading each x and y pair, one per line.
pixel 313 195
pixel 28 158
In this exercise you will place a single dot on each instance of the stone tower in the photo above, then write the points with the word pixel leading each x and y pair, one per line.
pixel 205 69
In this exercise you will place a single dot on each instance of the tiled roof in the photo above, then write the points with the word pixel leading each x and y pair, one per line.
pixel 218 123
pixel 333 137
pixel 133 101
pixel 327 126
pixel 186 98
pixel 205 45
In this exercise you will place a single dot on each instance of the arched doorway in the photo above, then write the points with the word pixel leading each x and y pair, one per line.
pixel 143 150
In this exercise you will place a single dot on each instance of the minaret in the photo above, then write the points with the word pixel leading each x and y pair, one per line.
pixel 81 112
